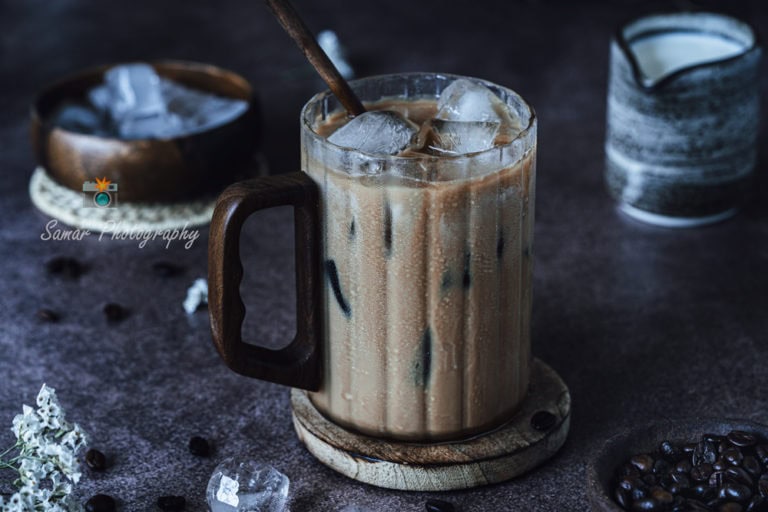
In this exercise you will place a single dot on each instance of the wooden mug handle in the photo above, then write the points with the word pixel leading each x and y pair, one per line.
pixel 299 364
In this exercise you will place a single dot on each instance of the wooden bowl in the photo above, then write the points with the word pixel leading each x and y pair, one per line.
pixel 618 449
pixel 149 170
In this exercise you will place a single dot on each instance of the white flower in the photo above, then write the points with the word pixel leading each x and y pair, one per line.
pixel 47 462
pixel 74 439
pixel 26 425
pixel 47 396
pixel 196 295
pixel 32 471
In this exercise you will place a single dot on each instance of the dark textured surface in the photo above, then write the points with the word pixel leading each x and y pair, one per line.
pixel 641 322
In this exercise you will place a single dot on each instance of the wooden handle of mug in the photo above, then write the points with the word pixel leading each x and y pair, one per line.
pixel 299 364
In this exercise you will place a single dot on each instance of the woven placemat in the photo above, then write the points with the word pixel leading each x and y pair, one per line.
pixel 74 209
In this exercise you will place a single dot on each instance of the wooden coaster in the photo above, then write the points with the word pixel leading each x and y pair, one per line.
pixel 509 451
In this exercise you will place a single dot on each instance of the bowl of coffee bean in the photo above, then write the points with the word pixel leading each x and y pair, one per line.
pixel 677 466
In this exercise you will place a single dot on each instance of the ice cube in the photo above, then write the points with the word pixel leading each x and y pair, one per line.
pixel 153 127
pixel 381 132
pixel 460 137
pixel 134 91
pixel 77 118
pixel 142 105
pixel 216 111
pixel 181 99
pixel 100 98
pixel 200 110
pixel 247 486
pixel 465 100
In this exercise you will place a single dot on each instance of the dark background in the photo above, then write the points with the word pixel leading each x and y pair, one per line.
pixel 643 323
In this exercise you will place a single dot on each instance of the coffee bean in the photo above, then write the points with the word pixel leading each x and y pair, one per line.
pixel 543 421
pixel 762 486
pixel 735 492
pixel 95 460
pixel 705 452
pixel 434 505
pixel 167 269
pixel 46 315
pixel 661 467
pixel 625 484
pixel 730 507
pixel 712 438
pixel 622 497
pixel 638 493
pixel 199 446
pixel 650 479
pixel 757 504
pixel 738 475
pixel 171 503
pixel 741 438
pixel 666 480
pixel 101 503
pixel 689 447
pixel 683 467
pixel 643 462
pixel 647 504
pixel 64 266
pixel 752 466
pixel 703 492
pixel 702 472
pixel 716 479
pixel 115 312
pixel 662 496
pixel 679 504
pixel 762 454
pixel 681 479
pixel 668 449
pixel 733 456
pixel 696 506
pixel 720 464
pixel 630 482
pixel 676 488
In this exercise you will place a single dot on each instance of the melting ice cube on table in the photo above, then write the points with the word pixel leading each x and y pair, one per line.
pixel 379 131
pixel 247 486
pixel 461 137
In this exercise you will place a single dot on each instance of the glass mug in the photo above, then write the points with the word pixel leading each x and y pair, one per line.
pixel 413 276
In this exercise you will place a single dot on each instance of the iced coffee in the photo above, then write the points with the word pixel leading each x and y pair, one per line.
pixel 427 210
